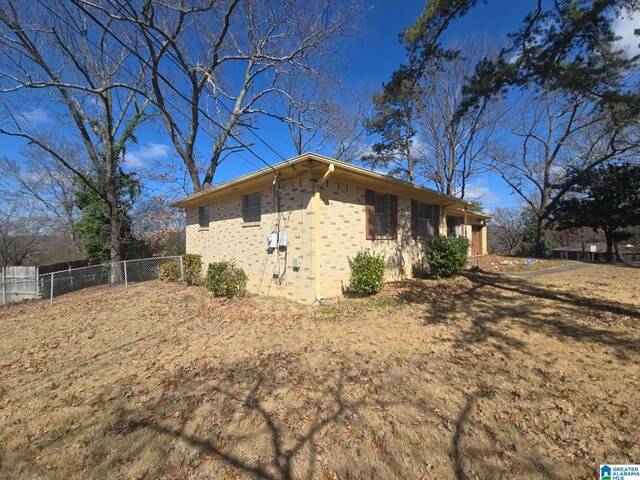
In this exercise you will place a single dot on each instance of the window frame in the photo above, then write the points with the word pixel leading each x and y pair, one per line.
pixel 457 223
pixel 249 214
pixel 201 216
pixel 382 199
pixel 372 232
pixel 425 216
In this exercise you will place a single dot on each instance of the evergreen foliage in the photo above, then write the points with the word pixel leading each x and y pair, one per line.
pixel 447 256
pixel 94 228
pixel 606 198
pixel 224 279
pixel 393 122
pixel 367 272
pixel 170 272
pixel 192 267
pixel 567 45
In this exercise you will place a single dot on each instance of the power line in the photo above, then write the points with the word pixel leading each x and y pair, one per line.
pixel 162 77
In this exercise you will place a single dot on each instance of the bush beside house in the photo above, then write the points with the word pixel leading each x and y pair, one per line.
pixel 192 267
pixel 224 279
pixel 170 272
pixel 367 272
pixel 447 256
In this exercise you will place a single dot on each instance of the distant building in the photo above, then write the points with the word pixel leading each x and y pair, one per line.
pixel 629 252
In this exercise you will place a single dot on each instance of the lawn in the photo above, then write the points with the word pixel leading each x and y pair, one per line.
pixel 482 376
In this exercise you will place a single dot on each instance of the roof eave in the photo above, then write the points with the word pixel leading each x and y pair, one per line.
pixel 193 200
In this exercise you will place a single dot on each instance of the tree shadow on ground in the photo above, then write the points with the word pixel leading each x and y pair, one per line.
pixel 491 299
pixel 463 451
pixel 291 411
pixel 282 457
pixel 229 414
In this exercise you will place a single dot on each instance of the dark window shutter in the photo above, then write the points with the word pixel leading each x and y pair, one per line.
pixel 393 217
pixel 414 219
pixel 436 220
pixel 370 211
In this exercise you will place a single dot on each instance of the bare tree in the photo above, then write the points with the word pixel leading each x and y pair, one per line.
pixel 21 231
pixel 553 135
pixel 508 226
pixel 322 121
pixel 453 144
pixel 345 130
pixel 306 106
pixel 52 53
pixel 39 178
pixel 160 226
pixel 214 65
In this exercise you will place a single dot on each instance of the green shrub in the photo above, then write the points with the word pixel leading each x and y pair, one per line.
pixel 447 256
pixel 192 267
pixel 170 272
pixel 224 279
pixel 367 272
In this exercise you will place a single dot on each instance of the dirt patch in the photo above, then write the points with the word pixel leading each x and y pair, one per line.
pixel 479 376
pixel 497 263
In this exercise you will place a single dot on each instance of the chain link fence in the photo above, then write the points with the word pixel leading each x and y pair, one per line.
pixel 53 284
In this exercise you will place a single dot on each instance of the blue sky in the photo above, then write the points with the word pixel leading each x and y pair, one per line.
pixel 373 55
pixel 370 57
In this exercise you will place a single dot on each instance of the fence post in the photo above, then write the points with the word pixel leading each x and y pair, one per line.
pixel 4 287
pixel 51 293
pixel 125 274
pixel 181 268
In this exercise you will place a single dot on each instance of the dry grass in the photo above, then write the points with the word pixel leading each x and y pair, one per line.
pixel 477 377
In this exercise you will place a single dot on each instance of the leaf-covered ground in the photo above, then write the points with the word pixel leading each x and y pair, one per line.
pixel 480 376
pixel 498 263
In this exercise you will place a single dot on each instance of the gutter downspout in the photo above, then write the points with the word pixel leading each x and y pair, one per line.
pixel 316 232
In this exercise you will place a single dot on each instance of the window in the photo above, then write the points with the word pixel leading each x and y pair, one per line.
pixel 203 216
pixel 251 207
pixel 426 219
pixel 453 226
pixel 382 215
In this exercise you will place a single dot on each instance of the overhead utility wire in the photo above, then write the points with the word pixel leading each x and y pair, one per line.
pixel 161 76
pixel 172 56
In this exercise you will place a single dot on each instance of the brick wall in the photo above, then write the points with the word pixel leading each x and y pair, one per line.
pixel 230 238
pixel 343 233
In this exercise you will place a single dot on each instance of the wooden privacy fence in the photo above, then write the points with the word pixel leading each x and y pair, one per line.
pixel 18 283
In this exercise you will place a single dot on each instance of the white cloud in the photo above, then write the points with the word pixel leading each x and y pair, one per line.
pixel 36 116
pixel 140 156
pixel 624 27
pixel 482 193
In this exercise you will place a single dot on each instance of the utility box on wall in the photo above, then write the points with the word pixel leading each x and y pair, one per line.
pixel 272 242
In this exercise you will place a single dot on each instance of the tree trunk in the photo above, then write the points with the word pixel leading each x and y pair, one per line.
pixel 608 233
pixel 115 250
pixel 540 249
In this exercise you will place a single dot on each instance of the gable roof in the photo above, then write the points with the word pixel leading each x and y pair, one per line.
pixel 315 166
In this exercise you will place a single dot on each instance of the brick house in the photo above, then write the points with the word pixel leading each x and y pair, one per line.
pixel 293 226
